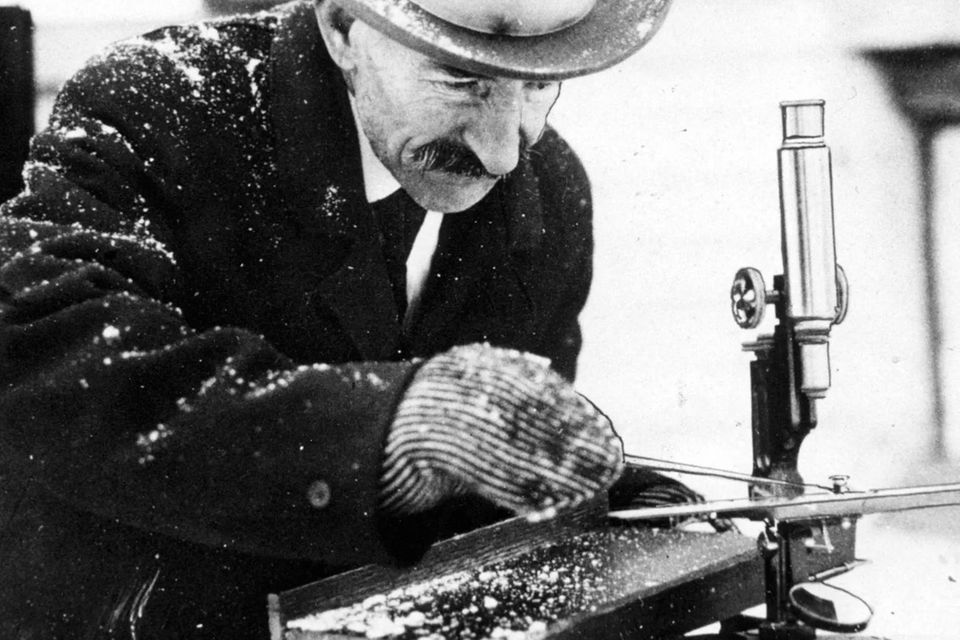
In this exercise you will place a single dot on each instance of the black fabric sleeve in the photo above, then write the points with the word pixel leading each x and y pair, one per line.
pixel 118 404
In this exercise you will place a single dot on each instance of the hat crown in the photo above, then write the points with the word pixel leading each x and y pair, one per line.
pixel 509 17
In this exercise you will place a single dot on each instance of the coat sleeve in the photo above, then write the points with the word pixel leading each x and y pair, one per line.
pixel 116 404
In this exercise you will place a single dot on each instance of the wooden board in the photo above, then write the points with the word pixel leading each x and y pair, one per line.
pixel 572 577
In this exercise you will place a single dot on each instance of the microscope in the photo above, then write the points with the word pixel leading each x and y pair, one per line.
pixel 792 367
pixel 791 372
pixel 806 538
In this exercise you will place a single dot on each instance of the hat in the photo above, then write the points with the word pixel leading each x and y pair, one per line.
pixel 526 39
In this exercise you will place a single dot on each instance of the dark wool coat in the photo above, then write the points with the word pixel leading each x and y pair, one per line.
pixel 199 348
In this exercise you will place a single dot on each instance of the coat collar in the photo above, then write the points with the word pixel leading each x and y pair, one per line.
pixel 321 178
pixel 315 134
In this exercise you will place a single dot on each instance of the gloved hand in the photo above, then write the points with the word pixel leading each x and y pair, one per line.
pixel 500 424
pixel 639 488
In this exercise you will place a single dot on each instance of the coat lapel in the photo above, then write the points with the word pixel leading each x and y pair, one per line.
pixel 321 181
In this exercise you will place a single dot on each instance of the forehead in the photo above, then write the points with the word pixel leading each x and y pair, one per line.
pixel 391 56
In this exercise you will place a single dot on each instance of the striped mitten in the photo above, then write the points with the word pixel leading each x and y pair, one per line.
pixel 500 424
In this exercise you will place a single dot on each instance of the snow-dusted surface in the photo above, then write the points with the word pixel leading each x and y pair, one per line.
pixel 680 143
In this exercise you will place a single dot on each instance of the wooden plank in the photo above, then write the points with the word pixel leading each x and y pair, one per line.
pixel 576 577
pixel 484 546
pixel 716 590
pixel 668 583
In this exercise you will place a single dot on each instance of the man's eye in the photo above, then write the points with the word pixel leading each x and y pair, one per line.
pixel 462 84
pixel 540 86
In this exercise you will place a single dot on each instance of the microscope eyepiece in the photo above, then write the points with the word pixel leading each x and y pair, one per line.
pixel 802 120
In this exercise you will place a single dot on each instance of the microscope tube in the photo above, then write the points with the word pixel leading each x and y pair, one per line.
pixel 809 255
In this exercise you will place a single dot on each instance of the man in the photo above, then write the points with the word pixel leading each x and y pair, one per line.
pixel 221 373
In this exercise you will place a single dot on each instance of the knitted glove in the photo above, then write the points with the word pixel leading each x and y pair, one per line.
pixel 497 423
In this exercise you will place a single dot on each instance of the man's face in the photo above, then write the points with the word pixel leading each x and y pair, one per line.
pixel 446 135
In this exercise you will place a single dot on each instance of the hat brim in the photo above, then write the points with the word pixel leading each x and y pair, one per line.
pixel 612 31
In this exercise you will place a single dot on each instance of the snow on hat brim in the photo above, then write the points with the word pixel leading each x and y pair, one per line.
pixel 610 31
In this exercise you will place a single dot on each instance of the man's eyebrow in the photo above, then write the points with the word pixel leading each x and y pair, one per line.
pixel 458 72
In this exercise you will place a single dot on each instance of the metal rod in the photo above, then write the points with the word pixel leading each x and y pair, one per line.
pixel 823 505
pixel 836 571
pixel 697 470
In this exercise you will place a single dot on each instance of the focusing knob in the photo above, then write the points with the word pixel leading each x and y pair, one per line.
pixel 748 298
pixel 843 295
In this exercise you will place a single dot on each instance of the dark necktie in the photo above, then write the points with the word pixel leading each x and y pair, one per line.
pixel 398 218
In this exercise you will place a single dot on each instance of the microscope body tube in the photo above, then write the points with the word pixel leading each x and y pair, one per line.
pixel 809 253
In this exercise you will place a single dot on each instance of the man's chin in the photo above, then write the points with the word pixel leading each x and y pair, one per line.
pixel 448 193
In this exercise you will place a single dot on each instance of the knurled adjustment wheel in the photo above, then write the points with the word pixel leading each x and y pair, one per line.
pixel 748 298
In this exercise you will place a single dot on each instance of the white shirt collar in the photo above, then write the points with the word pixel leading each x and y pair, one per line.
pixel 378 182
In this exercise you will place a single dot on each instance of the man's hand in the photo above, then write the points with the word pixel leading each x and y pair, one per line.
pixel 500 424
pixel 640 488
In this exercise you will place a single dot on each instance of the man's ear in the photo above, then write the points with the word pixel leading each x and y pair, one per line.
pixel 335 26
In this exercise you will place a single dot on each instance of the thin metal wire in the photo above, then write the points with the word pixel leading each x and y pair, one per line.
pixel 693 469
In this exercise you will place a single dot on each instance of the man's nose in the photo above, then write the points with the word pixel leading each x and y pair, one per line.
pixel 494 135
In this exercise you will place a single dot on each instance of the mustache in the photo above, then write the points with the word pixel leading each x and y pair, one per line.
pixel 455 157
